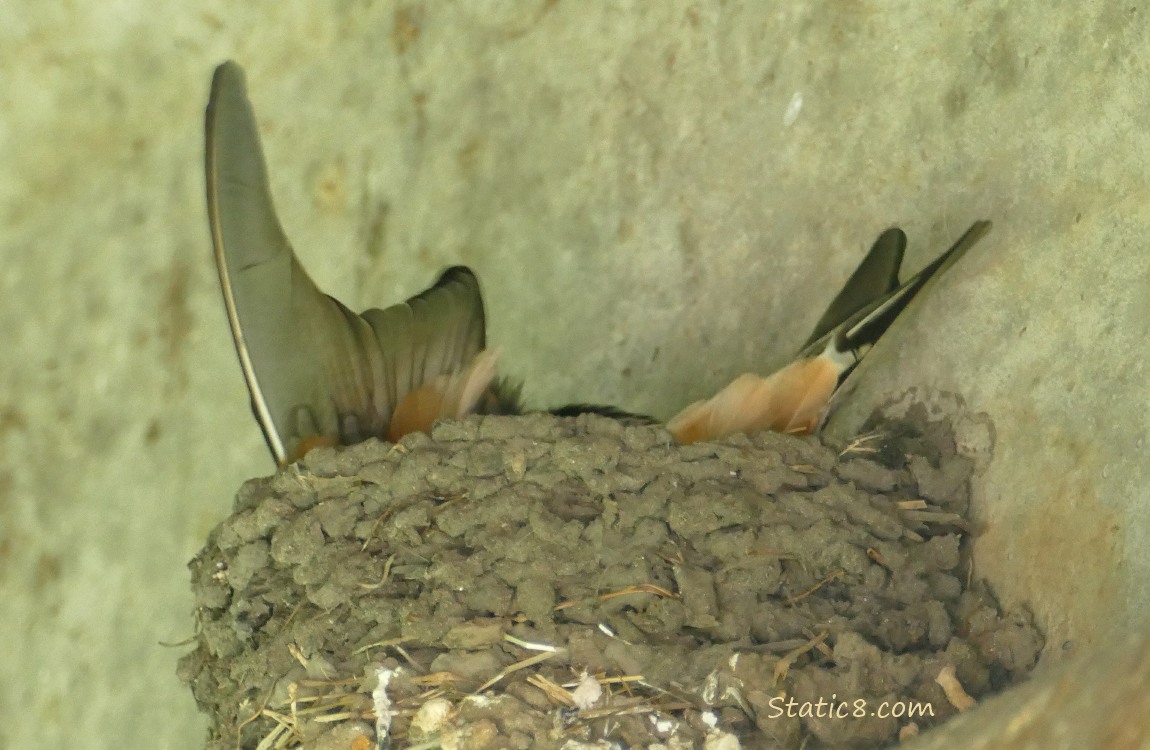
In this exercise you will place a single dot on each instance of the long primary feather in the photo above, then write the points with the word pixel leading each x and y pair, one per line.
pixel 318 373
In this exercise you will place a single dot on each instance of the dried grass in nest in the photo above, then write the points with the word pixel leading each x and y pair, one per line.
pixel 328 702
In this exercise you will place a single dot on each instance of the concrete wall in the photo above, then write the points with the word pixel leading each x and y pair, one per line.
pixel 651 212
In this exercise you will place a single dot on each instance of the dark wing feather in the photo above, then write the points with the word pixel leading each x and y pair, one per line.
pixel 867 327
pixel 855 335
pixel 264 287
pixel 437 332
pixel 875 278
pixel 316 371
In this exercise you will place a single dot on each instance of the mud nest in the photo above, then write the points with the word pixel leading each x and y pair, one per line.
pixel 544 582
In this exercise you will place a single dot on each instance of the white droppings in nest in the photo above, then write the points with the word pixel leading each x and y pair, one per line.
pixel 381 703
pixel 587 693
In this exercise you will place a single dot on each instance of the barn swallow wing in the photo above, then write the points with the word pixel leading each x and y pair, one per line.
pixel 875 278
pixel 854 335
pixel 794 398
pixel 317 372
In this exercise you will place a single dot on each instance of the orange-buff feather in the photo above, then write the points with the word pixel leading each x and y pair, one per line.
pixel 790 400
pixel 445 396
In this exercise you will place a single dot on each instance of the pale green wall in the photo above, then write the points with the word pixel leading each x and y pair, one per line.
pixel 645 223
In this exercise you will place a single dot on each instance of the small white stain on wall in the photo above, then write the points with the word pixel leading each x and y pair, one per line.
pixel 793 108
